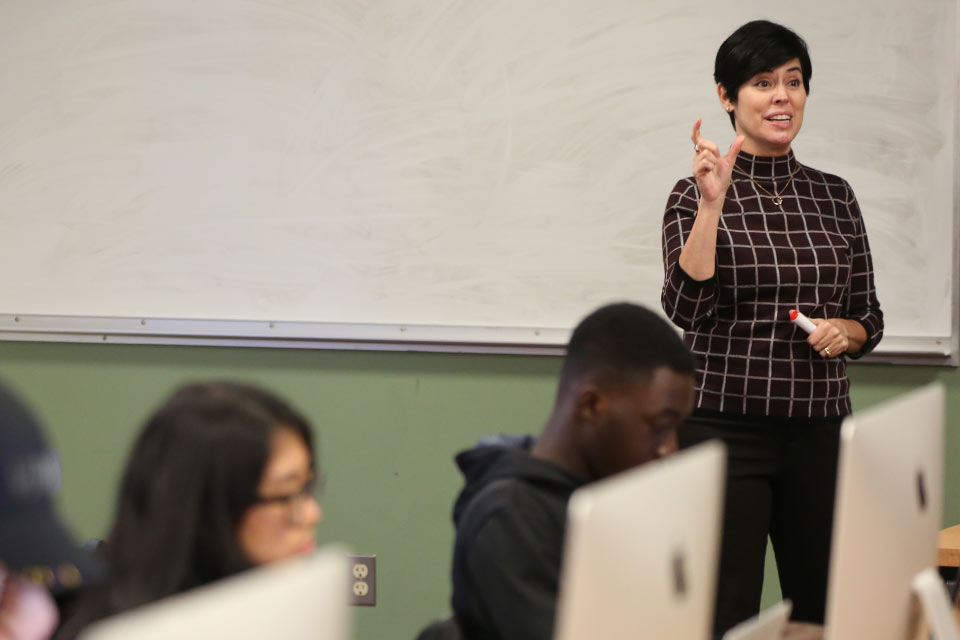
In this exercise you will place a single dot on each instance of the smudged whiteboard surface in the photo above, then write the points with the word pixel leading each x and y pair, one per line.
pixel 466 165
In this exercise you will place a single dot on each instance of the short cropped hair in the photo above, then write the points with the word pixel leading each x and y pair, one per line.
pixel 756 47
pixel 621 340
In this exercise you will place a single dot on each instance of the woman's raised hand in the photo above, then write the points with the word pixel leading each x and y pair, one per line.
pixel 712 170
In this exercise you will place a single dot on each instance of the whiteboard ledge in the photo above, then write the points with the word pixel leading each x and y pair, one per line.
pixel 303 335
pixel 927 350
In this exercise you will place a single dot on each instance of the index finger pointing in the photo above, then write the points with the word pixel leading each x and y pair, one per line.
pixel 696 130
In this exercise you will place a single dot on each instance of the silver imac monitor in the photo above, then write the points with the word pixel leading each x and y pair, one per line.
pixel 887 517
pixel 301 599
pixel 769 624
pixel 641 551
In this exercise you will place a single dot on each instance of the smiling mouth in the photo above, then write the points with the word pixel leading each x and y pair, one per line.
pixel 781 119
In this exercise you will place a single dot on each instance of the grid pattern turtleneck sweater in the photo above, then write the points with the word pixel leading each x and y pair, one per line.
pixel 811 254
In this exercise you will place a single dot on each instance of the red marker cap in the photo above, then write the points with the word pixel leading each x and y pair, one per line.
pixel 794 314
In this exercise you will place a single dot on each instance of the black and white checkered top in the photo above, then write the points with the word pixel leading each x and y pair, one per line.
pixel 812 255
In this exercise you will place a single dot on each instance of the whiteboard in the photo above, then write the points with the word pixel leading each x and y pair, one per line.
pixel 438 171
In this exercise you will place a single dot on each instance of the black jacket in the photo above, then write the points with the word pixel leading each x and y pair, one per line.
pixel 510 519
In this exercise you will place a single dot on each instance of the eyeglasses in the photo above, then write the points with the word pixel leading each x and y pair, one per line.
pixel 296 501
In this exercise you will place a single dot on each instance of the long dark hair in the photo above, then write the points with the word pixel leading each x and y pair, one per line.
pixel 193 472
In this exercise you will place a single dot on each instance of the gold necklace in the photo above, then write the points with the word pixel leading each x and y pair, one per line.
pixel 777 197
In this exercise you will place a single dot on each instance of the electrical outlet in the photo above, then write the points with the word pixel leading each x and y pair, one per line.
pixel 363 580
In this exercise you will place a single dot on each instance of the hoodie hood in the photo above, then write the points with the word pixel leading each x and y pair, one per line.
pixel 507 457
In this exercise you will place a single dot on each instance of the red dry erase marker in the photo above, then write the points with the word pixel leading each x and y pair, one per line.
pixel 802 321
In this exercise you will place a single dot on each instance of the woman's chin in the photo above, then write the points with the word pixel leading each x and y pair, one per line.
pixel 782 140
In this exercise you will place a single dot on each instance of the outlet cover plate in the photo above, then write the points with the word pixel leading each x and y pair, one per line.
pixel 363 580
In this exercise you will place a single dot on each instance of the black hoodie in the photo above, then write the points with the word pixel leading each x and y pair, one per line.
pixel 510 519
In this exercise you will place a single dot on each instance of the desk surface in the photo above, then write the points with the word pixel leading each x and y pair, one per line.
pixel 948 547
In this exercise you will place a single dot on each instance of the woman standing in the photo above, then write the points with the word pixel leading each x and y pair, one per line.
pixel 752 235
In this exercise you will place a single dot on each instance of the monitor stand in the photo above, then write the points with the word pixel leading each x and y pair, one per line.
pixel 928 587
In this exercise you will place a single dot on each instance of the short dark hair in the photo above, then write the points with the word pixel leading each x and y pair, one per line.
pixel 756 47
pixel 624 339
pixel 194 470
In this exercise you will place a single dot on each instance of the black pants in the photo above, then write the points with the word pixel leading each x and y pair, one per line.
pixel 781 481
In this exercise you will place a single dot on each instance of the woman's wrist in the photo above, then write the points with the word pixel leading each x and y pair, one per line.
pixel 710 206
pixel 854 333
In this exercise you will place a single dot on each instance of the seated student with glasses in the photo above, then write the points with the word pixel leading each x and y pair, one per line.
pixel 222 478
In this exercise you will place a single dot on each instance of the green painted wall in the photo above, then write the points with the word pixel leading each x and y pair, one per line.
pixel 389 424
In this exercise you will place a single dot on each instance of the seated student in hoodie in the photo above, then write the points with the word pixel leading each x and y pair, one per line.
pixel 625 387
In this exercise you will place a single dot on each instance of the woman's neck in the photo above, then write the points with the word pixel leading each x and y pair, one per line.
pixel 766 167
